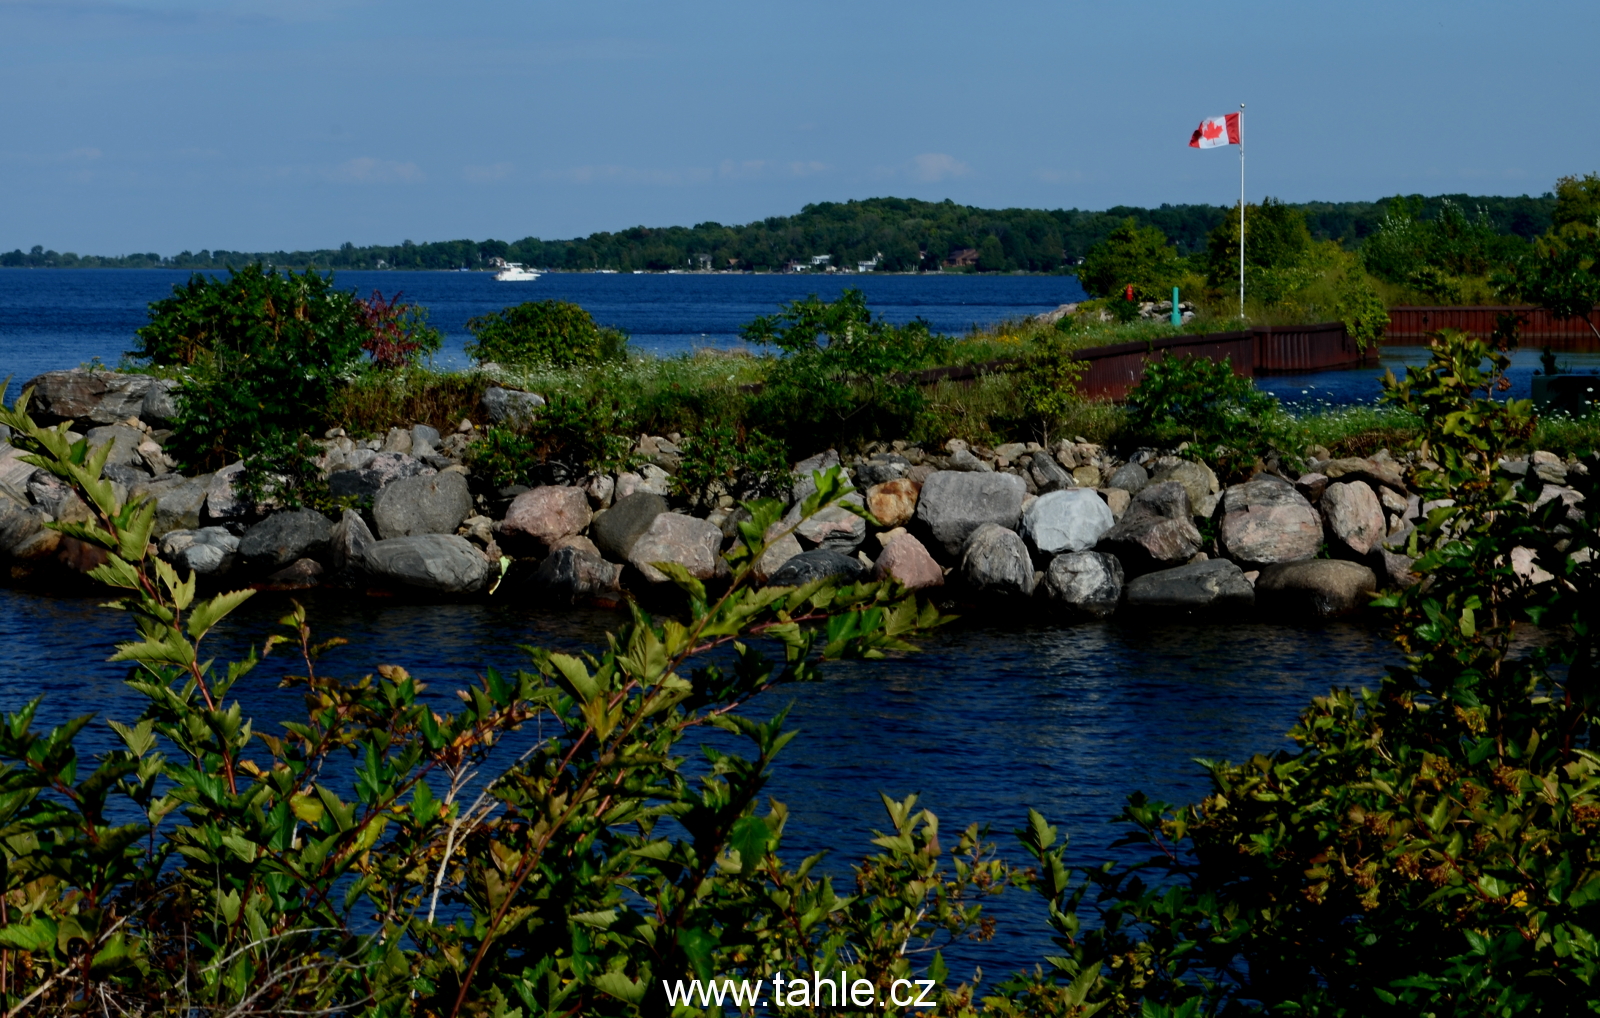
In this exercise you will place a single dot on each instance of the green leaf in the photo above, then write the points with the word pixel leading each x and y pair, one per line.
pixel 617 985
pixel 37 934
pixel 209 612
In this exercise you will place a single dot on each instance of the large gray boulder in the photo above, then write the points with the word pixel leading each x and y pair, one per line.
pixel 573 573
pixel 382 470
pixel 1266 520
pixel 14 472
pixel 224 501
pixel 1320 587
pixel 348 544
pixel 615 530
pixel 782 546
pixel 953 504
pixel 817 564
pixel 94 397
pixel 1212 583
pixel 1353 515
pixel 57 497
pixel 159 408
pixel 1130 477
pixel 1070 520
pixel 1086 583
pixel 423 505
pixel 209 551
pixel 444 563
pixel 510 406
pixel 1155 532
pixel 125 442
pixel 179 501
pixel 283 537
pixel 23 534
pixel 673 537
pixel 804 484
pixel 995 560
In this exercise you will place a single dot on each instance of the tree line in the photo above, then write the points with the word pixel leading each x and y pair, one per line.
pixel 900 234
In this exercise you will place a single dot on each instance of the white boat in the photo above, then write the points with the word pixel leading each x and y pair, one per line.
pixel 515 272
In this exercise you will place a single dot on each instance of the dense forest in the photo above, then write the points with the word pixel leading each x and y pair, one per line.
pixel 901 234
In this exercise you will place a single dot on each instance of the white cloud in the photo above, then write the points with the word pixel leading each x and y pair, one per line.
pixel 367 170
pixel 753 169
pixel 933 166
pixel 486 174
pixel 629 175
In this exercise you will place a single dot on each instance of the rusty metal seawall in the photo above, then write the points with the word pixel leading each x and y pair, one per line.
pixel 1410 325
pixel 1115 370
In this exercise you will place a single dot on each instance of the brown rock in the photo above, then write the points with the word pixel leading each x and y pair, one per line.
pixel 547 514
pixel 299 574
pixel 1267 520
pixel 1353 516
pixel 1311 486
pixel 1118 499
pixel 906 561
pixel 894 503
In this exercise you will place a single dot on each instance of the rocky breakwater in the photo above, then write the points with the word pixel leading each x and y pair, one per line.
pixel 1071 531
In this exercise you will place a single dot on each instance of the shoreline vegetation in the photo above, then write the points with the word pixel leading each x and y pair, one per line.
pixel 887 235
pixel 1427 846
pixel 542 845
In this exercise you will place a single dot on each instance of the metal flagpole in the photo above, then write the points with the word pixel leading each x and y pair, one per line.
pixel 1241 210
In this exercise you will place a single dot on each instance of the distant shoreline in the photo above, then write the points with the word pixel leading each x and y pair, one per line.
pixel 548 272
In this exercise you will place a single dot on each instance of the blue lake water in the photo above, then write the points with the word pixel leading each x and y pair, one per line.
pixel 985 722
pixel 989 720
pixel 1328 389
pixel 56 318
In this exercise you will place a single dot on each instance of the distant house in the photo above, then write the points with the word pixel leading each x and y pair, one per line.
pixel 794 266
pixel 870 266
pixel 818 261
pixel 961 258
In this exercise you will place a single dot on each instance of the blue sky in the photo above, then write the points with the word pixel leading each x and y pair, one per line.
pixel 159 125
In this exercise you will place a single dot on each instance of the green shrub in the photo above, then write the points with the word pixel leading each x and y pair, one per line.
pixel 551 332
pixel 354 861
pixel 1047 386
pixel 1132 255
pixel 264 352
pixel 719 462
pixel 576 432
pixel 1223 417
pixel 1276 239
pixel 1446 260
pixel 841 377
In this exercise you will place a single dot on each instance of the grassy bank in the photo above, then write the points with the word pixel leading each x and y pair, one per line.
pixel 693 395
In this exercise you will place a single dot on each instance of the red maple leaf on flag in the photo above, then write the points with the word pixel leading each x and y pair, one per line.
pixel 1211 130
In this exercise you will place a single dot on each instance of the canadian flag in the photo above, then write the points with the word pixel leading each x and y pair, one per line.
pixel 1216 131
